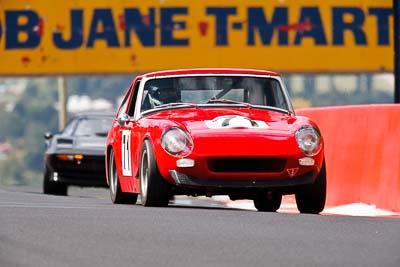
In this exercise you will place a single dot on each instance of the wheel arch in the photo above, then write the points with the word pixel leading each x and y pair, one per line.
pixel 107 159
pixel 149 138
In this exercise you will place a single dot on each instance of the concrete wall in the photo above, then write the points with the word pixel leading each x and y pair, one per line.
pixel 362 151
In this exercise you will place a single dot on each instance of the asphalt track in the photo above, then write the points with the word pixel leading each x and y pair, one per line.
pixel 85 229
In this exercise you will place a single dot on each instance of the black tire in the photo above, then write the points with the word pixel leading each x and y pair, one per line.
pixel 53 188
pixel 311 198
pixel 117 196
pixel 269 202
pixel 154 190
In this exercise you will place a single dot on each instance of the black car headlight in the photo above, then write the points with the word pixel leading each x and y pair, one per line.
pixel 309 140
pixel 176 141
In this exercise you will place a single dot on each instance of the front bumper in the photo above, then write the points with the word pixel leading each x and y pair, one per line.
pixel 183 180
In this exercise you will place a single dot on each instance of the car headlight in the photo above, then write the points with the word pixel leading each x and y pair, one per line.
pixel 309 140
pixel 176 141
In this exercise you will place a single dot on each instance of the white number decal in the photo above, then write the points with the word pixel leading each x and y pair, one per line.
pixel 126 153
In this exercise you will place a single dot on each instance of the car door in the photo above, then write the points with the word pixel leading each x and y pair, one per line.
pixel 129 147
pixel 117 136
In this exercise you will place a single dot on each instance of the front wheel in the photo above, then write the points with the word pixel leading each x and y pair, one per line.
pixel 117 196
pixel 269 202
pixel 154 190
pixel 311 198
pixel 53 188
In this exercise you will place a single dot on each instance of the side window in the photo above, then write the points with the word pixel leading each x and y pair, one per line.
pixel 122 108
pixel 279 97
pixel 275 96
pixel 132 104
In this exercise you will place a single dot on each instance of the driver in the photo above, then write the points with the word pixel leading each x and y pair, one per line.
pixel 160 95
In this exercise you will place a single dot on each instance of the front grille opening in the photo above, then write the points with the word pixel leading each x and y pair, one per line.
pixel 246 164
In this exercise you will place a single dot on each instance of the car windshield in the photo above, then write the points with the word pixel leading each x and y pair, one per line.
pixel 213 90
pixel 93 126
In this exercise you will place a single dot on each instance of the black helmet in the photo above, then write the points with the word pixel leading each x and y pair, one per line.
pixel 162 91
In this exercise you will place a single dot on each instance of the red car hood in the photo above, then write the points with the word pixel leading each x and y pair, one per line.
pixel 234 131
pixel 197 120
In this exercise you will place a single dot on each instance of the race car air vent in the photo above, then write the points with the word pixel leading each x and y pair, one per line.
pixel 64 141
pixel 246 164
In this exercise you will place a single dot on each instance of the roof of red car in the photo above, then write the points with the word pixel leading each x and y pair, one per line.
pixel 210 71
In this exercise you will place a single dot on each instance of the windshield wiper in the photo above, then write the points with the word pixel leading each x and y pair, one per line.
pixel 227 101
pixel 175 104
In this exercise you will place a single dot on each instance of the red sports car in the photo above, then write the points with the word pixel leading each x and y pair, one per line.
pixel 214 132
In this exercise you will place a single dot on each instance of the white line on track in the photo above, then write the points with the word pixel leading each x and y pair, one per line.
pixel 52 206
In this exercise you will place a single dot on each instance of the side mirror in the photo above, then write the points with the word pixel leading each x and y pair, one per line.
pixel 122 119
pixel 48 135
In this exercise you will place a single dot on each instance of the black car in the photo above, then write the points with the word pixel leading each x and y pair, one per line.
pixel 76 156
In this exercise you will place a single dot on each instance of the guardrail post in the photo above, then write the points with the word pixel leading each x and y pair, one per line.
pixel 62 102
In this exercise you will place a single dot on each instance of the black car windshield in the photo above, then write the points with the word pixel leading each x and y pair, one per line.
pixel 214 90
pixel 93 126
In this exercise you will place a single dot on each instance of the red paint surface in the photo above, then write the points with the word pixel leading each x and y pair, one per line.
pixel 39 28
pixel 133 59
pixel 146 20
pixel 300 27
pixel 362 150
pixel 121 22
pixel 277 141
pixel 26 60
pixel 58 28
pixel 203 28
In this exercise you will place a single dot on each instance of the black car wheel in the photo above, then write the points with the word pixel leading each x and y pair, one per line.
pixel 53 188
pixel 154 190
pixel 117 196
pixel 311 198
pixel 269 202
